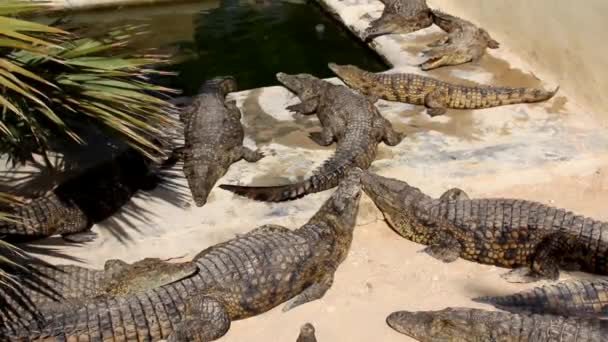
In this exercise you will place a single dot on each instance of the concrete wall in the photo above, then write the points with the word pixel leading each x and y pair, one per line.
pixel 563 40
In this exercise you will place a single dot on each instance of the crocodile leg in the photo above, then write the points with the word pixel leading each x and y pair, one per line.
pixel 323 138
pixel 306 107
pixel 434 103
pixel 391 137
pixel 205 320
pixel 444 247
pixel 80 237
pixel 242 152
pixel 313 292
pixel 545 264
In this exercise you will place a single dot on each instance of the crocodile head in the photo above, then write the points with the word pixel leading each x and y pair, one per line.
pixel 305 86
pixel 395 23
pixel 396 200
pixel 343 205
pixel 307 333
pixel 351 75
pixel 451 324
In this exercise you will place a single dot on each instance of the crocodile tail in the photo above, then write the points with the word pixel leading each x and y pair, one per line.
pixel 523 95
pixel 316 183
pixel 326 177
pixel 519 302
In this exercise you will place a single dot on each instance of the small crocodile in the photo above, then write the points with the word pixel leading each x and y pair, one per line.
pixel 472 325
pixel 242 277
pixel 72 208
pixel 213 137
pixel 348 118
pixel 582 298
pixel 436 95
pixel 44 285
pixel 530 237
pixel 307 333
pixel 464 43
pixel 399 17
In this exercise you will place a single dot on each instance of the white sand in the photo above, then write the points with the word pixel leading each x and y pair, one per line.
pixel 547 152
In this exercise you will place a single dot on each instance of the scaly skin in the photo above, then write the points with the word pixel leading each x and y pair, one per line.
pixel 582 298
pixel 349 119
pixel 399 17
pixel 307 333
pixel 75 205
pixel 242 277
pixel 436 95
pixel 213 137
pixel 529 236
pixel 464 43
pixel 474 325
pixel 47 285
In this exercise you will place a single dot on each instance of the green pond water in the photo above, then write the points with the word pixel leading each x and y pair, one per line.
pixel 251 40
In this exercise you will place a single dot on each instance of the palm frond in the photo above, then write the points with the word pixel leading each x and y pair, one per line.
pixel 51 79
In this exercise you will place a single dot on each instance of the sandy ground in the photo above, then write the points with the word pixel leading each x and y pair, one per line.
pixel 551 152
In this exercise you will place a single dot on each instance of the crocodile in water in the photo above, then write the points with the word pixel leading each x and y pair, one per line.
pixel 464 43
pixel 582 298
pixel 469 325
pixel 242 277
pixel 213 137
pixel 531 237
pixel 436 95
pixel 348 118
pixel 399 17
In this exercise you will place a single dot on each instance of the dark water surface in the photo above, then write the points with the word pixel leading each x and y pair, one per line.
pixel 251 40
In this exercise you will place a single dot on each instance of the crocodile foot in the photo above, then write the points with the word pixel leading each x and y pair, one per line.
pixel 521 275
pixel 81 237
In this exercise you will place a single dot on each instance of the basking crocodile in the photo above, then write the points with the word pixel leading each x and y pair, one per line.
pixel 531 237
pixel 307 333
pixel 44 285
pixel 399 17
pixel 465 324
pixel 583 298
pixel 464 43
pixel 436 95
pixel 75 205
pixel 348 118
pixel 213 137
pixel 242 277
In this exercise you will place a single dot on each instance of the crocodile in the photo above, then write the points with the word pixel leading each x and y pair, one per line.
pixel 213 137
pixel 43 285
pixel 348 118
pixel 399 17
pixel 307 333
pixel 467 324
pixel 242 277
pixel 434 94
pixel 582 298
pixel 464 42
pixel 533 239
pixel 71 209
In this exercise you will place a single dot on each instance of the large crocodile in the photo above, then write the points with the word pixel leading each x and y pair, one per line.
pixel 213 137
pixel 469 325
pixel 348 118
pixel 436 95
pixel 240 278
pixel 464 43
pixel 399 17
pixel 76 204
pixel 583 298
pixel 530 237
